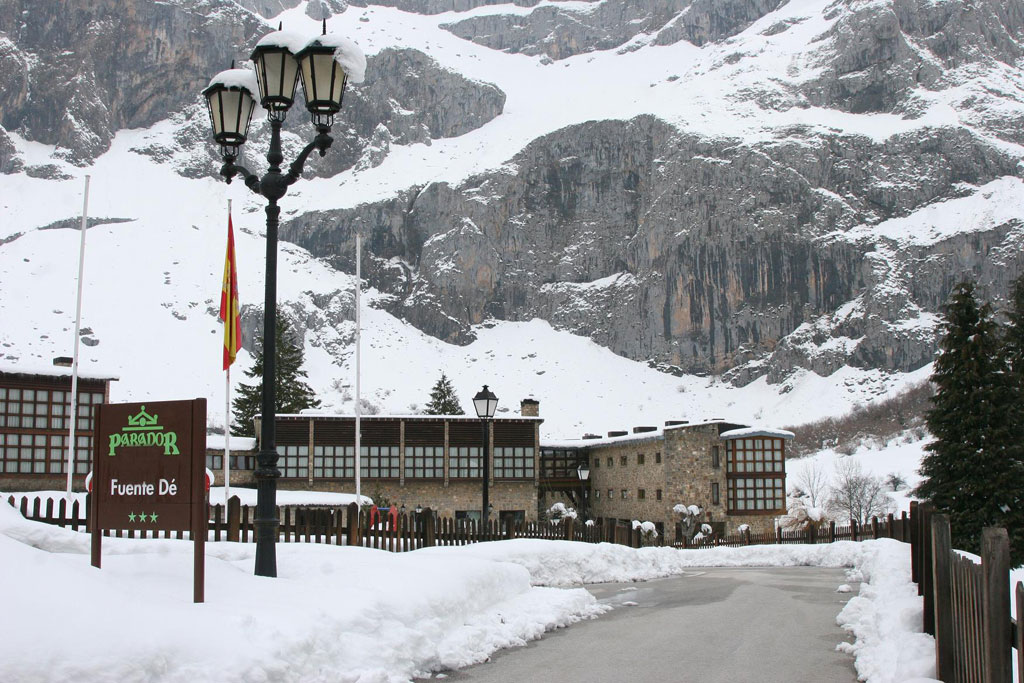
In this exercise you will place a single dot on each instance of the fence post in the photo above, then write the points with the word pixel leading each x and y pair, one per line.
pixel 890 523
pixel 832 531
pixel 427 524
pixel 926 588
pixel 510 528
pixel 234 517
pixel 874 528
pixel 569 528
pixel 778 535
pixel 915 543
pixel 942 598
pixel 746 536
pixel 853 529
pixel 903 527
pixel 1019 644
pixel 995 581
pixel 352 524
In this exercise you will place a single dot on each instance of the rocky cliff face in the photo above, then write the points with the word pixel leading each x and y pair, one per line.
pixel 695 254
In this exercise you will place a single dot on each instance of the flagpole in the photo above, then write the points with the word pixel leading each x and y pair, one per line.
pixel 227 414
pixel 78 327
pixel 359 252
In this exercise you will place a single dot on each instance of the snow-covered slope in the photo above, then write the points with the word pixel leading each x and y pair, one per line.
pixel 155 259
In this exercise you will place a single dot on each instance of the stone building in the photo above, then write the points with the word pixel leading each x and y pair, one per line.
pixel 735 473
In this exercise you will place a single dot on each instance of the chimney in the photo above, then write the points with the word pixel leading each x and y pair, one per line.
pixel 676 423
pixel 591 436
pixel 620 433
pixel 63 361
pixel 529 407
pixel 641 430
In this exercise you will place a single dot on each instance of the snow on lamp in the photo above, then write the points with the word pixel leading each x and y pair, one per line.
pixel 230 98
pixel 277 70
pixel 327 63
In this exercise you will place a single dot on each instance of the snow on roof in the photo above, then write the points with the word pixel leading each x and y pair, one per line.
pixel 240 443
pixel 636 437
pixel 39 368
pixel 237 78
pixel 756 431
pixel 351 416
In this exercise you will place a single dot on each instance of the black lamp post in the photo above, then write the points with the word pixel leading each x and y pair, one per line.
pixel 583 472
pixel 485 403
pixel 325 62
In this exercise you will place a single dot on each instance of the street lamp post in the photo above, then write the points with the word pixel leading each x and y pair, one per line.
pixel 583 472
pixel 326 63
pixel 485 403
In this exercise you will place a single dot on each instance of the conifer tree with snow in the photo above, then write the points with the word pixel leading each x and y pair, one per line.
pixel 970 471
pixel 443 400
pixel 291 393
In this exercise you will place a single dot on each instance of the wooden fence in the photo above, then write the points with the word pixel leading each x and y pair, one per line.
pixel 966 604
pixel 898 528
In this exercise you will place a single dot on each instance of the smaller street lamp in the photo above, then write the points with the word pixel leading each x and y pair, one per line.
pixel 485 403
pixel 583 472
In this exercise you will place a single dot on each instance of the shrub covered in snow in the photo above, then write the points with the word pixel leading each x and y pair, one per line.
pixel 559 511
pixel 648 531
pixel 691 516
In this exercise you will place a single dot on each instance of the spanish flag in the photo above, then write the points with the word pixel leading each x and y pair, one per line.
pixel 229 303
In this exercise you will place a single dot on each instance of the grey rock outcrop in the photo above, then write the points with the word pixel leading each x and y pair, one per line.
pixel 560 32
pixel 695 254
pixel 108 65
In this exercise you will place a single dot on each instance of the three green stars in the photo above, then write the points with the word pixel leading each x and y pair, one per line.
pixel 142 517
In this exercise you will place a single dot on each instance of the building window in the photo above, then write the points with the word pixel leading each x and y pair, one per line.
pixel 714 458
pixel 641 494
pixel 610 462
pixel 657 494
pixel 611 493
pixel 334 462
pixel 639 458
pixel 597 493
pixel 623 460
pixel 714 493
pixel 379 462
pixel 293 461
pixel 44 411
pixel 424 462
pixel 513 463
pixel 597 462
pixel 464 462
pixel 657 458
pixel 467 515
pixel 625 494
pixel 755 475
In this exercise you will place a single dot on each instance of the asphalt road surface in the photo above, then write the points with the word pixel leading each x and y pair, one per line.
pixel 708 626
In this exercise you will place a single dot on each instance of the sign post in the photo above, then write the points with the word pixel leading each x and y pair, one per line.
pixel 149 474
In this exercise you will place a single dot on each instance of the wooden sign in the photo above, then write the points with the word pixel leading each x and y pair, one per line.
pixel 149 473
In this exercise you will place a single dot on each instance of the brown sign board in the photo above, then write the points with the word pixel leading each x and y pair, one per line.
pixel 149 471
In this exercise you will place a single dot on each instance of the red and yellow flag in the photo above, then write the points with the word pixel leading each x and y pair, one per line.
pixel 229 303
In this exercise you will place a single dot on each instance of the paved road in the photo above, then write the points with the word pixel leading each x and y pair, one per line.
pixel 715 625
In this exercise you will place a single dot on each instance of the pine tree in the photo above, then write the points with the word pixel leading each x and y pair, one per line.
pixel 969 470
pixel 292 394
pixel 1013 359
pixel 443 400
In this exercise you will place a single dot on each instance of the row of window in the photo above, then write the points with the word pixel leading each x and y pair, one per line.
pixel 641 459
pixel 43 453
pixel 421 462
pixel 641 494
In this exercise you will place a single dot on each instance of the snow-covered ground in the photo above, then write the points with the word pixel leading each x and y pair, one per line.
pixel 353 614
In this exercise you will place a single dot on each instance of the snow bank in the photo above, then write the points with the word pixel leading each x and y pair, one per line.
pixel 334 614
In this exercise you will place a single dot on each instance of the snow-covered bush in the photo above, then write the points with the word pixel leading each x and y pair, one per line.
pixel 648 531
pixel 743 528
pixel 691 517
pixel 590 522
pixel 559 511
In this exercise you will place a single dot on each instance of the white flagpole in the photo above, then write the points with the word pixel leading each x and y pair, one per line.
pixel 227 408
pixel 74 363
pixel 359 252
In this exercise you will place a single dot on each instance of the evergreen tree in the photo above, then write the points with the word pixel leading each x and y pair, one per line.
pixel 443 400
pixel 969 470
pixel 291 393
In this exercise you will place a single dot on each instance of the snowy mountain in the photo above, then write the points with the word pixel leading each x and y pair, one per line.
pixel 748 209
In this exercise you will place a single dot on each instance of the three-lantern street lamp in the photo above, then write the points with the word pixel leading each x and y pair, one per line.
pixel 325 63
pixel 485 403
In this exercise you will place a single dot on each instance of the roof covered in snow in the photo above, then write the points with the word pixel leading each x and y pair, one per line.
pixel 756 431
pixel 41 369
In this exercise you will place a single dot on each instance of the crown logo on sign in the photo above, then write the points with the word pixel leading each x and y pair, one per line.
pixel 142 421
